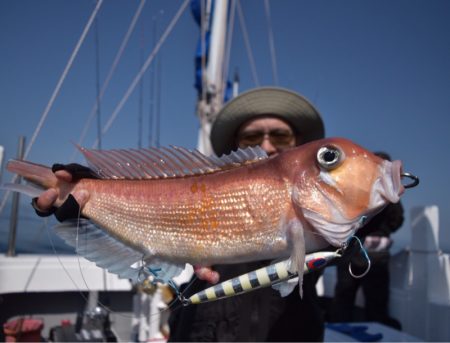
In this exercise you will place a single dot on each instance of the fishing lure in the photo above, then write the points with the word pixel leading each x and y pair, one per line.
pixel 276 275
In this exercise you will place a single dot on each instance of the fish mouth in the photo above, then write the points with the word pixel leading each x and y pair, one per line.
pixel 390 186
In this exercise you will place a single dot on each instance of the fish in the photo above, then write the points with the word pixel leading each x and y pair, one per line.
pixel 151 211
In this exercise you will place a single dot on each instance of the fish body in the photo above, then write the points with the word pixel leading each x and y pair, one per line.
pixel 176 206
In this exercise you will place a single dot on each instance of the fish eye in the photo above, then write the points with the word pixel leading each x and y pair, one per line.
pixel 329 157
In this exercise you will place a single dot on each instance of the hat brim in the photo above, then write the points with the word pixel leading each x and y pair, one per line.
pixel 279 102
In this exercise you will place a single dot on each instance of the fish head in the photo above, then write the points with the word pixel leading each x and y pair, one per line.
pixel 342 187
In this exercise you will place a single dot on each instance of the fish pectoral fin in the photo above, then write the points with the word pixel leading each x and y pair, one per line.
pixel 297 259
pixel 94 244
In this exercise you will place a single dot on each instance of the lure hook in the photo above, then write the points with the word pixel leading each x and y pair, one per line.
pixel 415 180
pixel 369 264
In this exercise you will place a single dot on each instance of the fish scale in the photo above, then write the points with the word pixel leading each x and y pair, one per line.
pixel 167 214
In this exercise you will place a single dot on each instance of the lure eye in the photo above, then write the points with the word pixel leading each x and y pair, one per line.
pixel 329 157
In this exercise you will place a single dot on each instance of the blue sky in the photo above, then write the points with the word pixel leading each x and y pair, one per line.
pixel 378 71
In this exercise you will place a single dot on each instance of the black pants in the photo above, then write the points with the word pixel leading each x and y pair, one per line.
pixel 375 287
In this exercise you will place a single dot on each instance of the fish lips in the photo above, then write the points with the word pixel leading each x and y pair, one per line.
pixel 389 186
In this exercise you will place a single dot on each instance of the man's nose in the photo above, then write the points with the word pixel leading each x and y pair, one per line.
pixel 267 146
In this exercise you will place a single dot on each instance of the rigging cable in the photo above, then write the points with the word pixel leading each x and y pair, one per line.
pixel 110 74
pixel 97 82
pixel 55 92
pixel 152 85
pixel 141 88
pixel 271 43
pixel 226 63
pixel 247 44
pixel 144 68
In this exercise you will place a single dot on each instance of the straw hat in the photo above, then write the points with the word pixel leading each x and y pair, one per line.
pixel 279 102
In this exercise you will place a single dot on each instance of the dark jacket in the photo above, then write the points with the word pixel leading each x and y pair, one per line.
pixel 389 220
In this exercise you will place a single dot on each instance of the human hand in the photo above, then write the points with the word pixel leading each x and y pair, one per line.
pixel 46 203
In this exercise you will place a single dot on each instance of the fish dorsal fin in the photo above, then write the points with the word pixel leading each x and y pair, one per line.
pixel 159 163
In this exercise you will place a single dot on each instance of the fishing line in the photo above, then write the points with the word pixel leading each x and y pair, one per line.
pixel 99 303
pixel 363 250
pixel 62 265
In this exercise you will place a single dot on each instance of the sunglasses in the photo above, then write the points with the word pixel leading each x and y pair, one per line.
pixel 280 138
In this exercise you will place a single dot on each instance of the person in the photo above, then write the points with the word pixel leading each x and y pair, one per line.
pixel 276 119
pixel 375 284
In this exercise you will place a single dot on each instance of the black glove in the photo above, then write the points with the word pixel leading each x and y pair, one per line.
pixel 76 170
pixel 70 209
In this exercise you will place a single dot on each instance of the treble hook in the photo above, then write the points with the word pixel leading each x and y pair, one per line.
pixel 415 179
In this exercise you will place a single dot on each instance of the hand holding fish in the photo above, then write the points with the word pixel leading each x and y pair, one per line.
pixel 162 208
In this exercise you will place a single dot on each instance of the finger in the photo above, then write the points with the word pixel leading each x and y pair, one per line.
pixel 207 274
pixel 63 175
pixel 47 199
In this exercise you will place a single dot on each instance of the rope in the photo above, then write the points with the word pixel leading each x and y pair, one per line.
pixel 143 69
pixel 110 74
pixel 271 43
pixel 55 93
pixel 247 44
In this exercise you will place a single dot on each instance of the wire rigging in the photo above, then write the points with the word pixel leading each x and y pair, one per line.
pixel 110 74
pixel 226 63
pixel 141 87
pixel 97 82
pixel 271 42
pixel 247 43
pixel 143 69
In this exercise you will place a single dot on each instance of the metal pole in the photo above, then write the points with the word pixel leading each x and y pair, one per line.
pixel 15 206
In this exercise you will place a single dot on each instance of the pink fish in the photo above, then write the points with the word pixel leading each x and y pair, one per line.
pixel 171 206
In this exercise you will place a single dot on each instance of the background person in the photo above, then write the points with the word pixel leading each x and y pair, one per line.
pixel 276 119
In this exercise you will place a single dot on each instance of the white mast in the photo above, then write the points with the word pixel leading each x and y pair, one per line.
pixel 213 77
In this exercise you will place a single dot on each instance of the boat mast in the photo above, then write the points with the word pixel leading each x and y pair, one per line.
pixel 211 100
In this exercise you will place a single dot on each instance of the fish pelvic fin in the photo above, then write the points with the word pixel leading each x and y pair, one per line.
pixel 297 260
pixel 37 174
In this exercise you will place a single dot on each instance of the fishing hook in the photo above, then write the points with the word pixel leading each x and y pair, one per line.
pixel 184 301
pixel 367 258
pixel 415 179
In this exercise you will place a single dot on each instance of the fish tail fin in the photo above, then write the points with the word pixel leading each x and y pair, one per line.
pixel 31 191
pixel 37 174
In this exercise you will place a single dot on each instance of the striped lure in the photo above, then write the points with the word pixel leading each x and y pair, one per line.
pixel 274 274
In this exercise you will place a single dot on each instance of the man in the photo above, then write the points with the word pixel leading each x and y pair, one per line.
pixel 276 119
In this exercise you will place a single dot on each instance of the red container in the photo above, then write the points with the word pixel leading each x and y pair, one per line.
pixel 23 330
